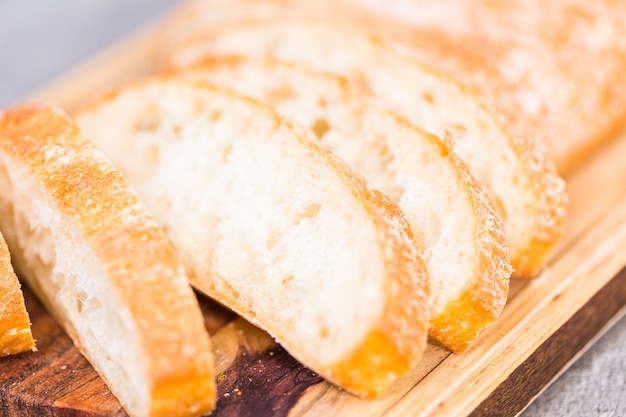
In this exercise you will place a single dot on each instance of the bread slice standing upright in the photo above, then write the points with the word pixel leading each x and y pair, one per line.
pixel 15 334
pixel 273 226
pixel 460 236
pixel 521 181
pixel 99 262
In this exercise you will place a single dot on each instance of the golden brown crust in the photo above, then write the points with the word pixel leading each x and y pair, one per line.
pixel 132 249
pixel 550 208
pixel 482 301
pixel 396 343
pixel 393 348
pixel 483 298
pixel 15 334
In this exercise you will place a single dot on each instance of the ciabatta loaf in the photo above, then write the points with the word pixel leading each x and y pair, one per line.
pixel 15 334
pixel 99 262
pixel 555 70
pixel 521 181
pixel 273 226
pixel 460 236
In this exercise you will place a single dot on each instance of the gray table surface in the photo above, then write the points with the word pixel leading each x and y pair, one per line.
pixel 41 39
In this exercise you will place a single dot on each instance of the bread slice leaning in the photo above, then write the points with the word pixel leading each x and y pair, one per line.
pixel 86 245
pixel 15 333
pixel 520 179
pixel 273 226
pixel 460 236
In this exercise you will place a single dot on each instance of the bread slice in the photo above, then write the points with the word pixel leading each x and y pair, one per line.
pixel 15 334
pixel 273 226
pixel 460 236
pixel 86 245
pixel 554 70
pixel 520 179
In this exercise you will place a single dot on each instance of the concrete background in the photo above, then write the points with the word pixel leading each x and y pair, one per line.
pixel 41 39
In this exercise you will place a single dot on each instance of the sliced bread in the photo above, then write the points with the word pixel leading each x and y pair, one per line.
pixel 15 334
pixel 520 180
pixel 85 244
pixel 460 236
pixel 273 226
pixel 554 70
pixel 525 58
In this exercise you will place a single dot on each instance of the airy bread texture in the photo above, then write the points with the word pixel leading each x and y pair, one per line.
pixel 273 226
pixel 460 236
pixel 15 334
pixel 521 181
pixel 86 245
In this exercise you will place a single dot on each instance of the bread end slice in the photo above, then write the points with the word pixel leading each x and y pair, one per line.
pixel 15 333
pixel 85 244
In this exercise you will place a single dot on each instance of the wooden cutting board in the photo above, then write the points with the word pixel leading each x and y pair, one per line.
pixel 546 324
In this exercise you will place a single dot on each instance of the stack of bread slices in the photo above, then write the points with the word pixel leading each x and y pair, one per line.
pixel 303 163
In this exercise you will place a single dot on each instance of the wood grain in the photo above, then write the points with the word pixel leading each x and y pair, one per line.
pixel 546 323
pixel 255 375
pixel 55 381
pixel 551 358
